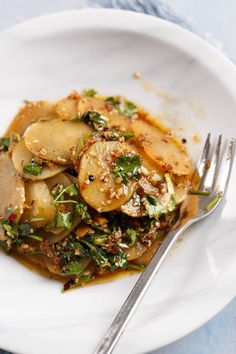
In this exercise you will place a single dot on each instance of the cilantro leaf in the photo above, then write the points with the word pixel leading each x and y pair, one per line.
pixel 5 143
pixel 90 92
pixel 96 119
pixel 74 268
pixel 33 168
pixel 154 207
pixel 81 209
pixel 122 106
pixel 127 167
pixel 64 219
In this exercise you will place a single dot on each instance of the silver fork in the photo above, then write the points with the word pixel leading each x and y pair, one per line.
pixel 214 176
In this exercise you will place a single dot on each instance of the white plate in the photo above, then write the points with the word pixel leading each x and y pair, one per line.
pixel 45 59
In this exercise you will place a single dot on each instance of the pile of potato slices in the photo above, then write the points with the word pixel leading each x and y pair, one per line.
pixel 88 185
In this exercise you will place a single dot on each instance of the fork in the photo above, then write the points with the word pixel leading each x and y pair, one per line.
pixel 214 174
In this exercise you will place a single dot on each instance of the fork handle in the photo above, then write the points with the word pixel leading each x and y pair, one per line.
pixel 116 329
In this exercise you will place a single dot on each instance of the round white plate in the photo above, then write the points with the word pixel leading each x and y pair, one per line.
pixel 185 79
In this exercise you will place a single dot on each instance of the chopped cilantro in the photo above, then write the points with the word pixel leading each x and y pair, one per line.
pixel 59 192
pixel 64 219
pixel 132 234
pixel 118 260
pixel 154 207
pixel 97 120
pixel 82 210
pixel 74 268
pixel 33 168
pixel 127 167
pixel 90 92
pixel 127 135
pixel 5 143
pixel 122 106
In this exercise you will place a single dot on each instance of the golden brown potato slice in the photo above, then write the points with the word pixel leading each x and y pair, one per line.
pixel 147 162
pixel 61 178
pixel 115 119
pixel 103 194
pixel 30 113
pixel 67 109
pixel 53 140
pixel 12 189
pixel 21 156
pixel 162 148
pixel 39 201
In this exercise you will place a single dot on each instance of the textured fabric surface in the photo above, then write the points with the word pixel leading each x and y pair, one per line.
pixel 207 339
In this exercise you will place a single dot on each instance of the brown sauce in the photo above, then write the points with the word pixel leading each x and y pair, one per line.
pixel 36 265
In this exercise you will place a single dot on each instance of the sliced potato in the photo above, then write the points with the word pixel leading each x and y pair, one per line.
pixel 115 119
pixel 12 189
pixel 52 140
pixel 61 178
pixel 30 113
pixel 57 237
pixel 21 156
pixel 39 201
pixel 147 162
pixel 66 108
pixel 135 251
pixel 162 148
pixel 98 193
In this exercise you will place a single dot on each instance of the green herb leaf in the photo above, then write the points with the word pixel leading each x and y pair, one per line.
pixel 211 205
pixel 128 108
pixel 127 135
pixel 33 168
pixel 5 143
pixel 196 192
pixel 154 207
pixel 59 191
pixel 35 237
pixel 132 234
pixel 96 119
pixel 64 219
pixel 118 261
pixel 127 167
pixel 139 268
pixel 82 210
pixel 122 106
pixel 170 186
pixel 75 268
pixel 90 92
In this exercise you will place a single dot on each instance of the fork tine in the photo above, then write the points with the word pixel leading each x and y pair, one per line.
pixel 211 172
pixel 225 168
pixel 203 160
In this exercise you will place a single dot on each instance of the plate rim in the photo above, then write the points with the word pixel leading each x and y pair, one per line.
pixel 228 79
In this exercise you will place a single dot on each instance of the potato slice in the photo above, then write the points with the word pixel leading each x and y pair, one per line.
pixel 149 164
pixel 12 189
pixel 162 148
pixel 21 156
pixel 30 113
pixel 39 201
pixel 52 140
pixel 61 178
pixel 135 251
pixel 95 162
pixel 115 119
pixel 66 108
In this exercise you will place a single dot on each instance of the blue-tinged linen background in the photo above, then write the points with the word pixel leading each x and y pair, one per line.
pixel 216 21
